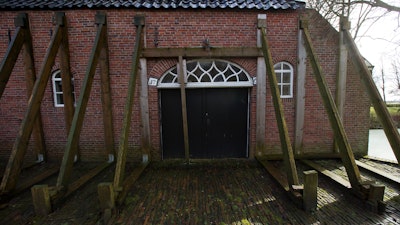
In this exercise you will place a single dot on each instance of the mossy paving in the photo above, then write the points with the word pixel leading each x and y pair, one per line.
pixel 233 192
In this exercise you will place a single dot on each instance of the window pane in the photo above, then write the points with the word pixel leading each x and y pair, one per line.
pixel 286 78
pixel 279 78
pixel 58 86
pixel 285 66
pixel 286 90
pixel 60 100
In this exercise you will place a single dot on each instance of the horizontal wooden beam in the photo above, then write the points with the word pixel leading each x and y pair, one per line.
pixel 381 173
pixel 327 173
pixel 201 52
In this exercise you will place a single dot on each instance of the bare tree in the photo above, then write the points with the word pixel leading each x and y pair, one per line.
pixel 362 11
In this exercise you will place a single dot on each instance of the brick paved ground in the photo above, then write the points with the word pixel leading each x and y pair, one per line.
pixel 209 192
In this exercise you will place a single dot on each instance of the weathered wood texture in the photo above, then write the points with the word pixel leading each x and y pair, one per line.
pixel 21 143
pixel 213 52
pixel 77 122
pixel 66 75
pixel 333 115
pixel 106 91
pixel 182 83
pixel 8 63
pixel 30 76
pixel 310 190
pixel 261 97
pixel 41 200
pixel 144 109
pixel 328 173
pixel 126 125
pixel 290 165
pixel 381 173
pixel 380 107
pixel 301 94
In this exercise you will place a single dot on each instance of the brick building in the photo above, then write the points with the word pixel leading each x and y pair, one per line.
pixel 230 112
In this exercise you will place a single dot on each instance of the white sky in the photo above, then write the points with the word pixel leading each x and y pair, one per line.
pixel 379 43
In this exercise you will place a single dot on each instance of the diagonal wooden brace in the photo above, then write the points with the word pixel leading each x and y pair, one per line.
pixel 14 165
pixel 126 125
pixel 288 155
pixel 77 121
pixel 345 150
pixel 379 105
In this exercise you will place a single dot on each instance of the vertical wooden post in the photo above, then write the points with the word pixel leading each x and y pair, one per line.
pixel 41 199
pixel 310 190
pixel 287 150
pixel 14 165
pixel 380 107
pixel 106 91
pixel 106 195
pixel 301 93
pixel 30 75
pixel 182 83
pixel 261 94
pixel 77 122
pixel 144 110
pixel 139 22
pixel 333 115
pixel 342 72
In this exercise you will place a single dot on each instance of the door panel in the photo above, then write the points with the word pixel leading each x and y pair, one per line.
pixel 172 128
pixel 217 123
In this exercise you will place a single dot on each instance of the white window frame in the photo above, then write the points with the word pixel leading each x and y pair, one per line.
pixel 280 72
pixel 57 94
pixel 231 75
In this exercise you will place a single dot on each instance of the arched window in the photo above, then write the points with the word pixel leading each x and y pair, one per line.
pixel 284 76
pixel 57 89
pixel 206 74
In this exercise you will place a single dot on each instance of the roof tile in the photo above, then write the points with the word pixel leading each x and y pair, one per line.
pixel 193 4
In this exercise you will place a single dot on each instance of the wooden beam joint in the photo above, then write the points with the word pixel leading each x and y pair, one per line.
pixel 21 20
pixel 139 20
pixel 100 18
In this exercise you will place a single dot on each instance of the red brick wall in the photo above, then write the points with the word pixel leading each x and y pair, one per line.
pixel 176 28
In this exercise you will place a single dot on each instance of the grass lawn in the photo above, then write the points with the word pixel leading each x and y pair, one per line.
pixel 394 111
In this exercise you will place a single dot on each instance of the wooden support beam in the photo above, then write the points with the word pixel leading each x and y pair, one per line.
pixel 66 76
pixel 13 50
pixel 182 83
pixel 144 111
pixel 310 190
pixel 341 81
pixel 77 122
pixel 290 165
pixel 41 200
pixel 30 76
pixel 301 93
pixel 106 195
pixel 338 179
pixel 130 180
pixel 333 115
pixel 380 107
pixel 106 91
pixel 381 173
pixel 261 104
pixel 214 52
pixel 27 183
pixel 13 168
pixel 126 124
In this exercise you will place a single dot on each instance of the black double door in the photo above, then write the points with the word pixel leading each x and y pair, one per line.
pixel 217 123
